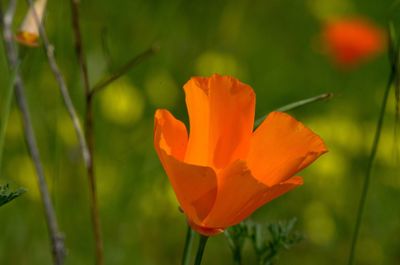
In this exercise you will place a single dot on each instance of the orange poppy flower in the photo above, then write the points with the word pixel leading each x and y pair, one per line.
pixel 224 171
pixel 350 41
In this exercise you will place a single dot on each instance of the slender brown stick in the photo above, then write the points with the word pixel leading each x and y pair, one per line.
pixel 49 50
pixel 56 238
pixel 89 128
pixel 124 69
pixel 89 133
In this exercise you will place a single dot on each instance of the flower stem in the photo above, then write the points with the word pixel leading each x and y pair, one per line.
pixel 361 205
pixel 188 246
pixel 200 249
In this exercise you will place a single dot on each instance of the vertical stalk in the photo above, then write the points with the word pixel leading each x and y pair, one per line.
pixel 92 182
pixel 371 160
pixel 89 133
pixel 200 250
pixel 56 237
pixel 188 246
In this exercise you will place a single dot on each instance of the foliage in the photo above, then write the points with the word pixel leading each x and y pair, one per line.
pixel 6 195
pixel 267 239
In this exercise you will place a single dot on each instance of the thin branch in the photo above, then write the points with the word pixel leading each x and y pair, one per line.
pixel 124 69
pixel 89 129
pixel 79 44
pixel 49 50
pixel 56 238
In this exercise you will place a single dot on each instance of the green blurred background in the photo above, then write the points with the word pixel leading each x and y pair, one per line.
pixel 271 45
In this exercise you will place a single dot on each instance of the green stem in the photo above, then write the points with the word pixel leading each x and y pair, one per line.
pixel 200 250
pixel 361 205
pixel 296 105
pixel 188 246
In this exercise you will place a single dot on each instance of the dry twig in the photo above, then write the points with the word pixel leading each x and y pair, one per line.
pixel 124 69
pixel 49 50
pixel 89 133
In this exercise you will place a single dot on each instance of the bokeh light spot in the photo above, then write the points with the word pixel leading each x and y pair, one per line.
pixel 122 103
pixel 320 226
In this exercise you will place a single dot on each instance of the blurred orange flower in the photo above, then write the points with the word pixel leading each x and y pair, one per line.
pixel 352 40
pixel 28 33
pixel 224 171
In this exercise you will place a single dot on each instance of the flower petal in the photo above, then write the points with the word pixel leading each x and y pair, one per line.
pixel 221 113
pixel 236 187
pixel 194 186
pixel 170 134
pixel 239 195
pixel 205 231
pixel 281 147
pixel 266 196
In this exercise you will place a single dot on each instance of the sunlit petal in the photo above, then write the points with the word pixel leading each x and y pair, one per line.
pixel 221 113
pixel 194 186
pixel 281 147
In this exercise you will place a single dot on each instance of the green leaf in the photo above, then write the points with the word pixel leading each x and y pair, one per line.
pixel 6 195
pixel 297 104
